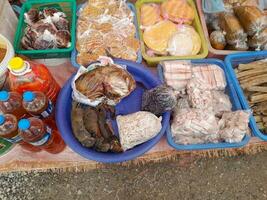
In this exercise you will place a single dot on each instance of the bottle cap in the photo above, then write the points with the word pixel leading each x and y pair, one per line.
pixel 2 119
pixel 24 124
pixel 29 96
pixel 16 64
pixel 4 95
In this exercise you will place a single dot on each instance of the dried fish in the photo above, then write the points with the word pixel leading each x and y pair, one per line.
pixel 108 83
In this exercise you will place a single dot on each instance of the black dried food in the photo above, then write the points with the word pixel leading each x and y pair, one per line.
pixel 62 24
pixel 32 16
pixel 63 39
pixel 159 100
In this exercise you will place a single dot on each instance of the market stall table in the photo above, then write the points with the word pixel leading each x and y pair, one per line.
pixel 18 159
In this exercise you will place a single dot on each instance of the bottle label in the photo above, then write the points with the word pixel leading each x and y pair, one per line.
pixel 48 110
pixel 15 139
pixel 44 139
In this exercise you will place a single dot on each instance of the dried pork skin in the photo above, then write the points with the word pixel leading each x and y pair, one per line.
pixel 193 126
pixel 234 126
pixel 182 103
pixel 212 75
pixel 137 128
pixel 199 94
pixel 221 102
pixel 177 73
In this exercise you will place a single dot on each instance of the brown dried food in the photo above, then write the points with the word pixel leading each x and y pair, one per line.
pixel 46 31
pixel 132 42
pixel 259 41
pixel 78 118
pixel 111 82
pixel 234 31
pixel 91 11
pixel 62 24
pixel 252 19
pixel 41 43
pixel 217 40
pixel 90 128
pixel 85 59
pixel 32 16
pixel 63 39
pixel 26 43
pixel 41 27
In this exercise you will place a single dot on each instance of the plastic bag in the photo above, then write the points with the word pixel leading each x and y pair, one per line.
pixel 177 73
pixel 193 126
pixel 199 94
pixel 217 40
pixel 233 29
pixel 234 126
pixel 137 128
pixel 159 99
pixel 184 42
pixel 252 19
pixel 258 42
pixel 221 102
pixel 105 81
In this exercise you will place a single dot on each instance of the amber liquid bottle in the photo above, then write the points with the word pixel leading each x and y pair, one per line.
pixel 11 103
pixel 9 131
pixel 35 132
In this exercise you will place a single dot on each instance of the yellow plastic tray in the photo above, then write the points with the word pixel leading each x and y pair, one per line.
pixel 153 61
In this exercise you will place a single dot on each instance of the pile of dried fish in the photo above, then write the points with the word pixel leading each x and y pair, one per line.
pixel 253 80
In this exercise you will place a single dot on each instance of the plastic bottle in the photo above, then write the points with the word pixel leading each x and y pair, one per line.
pixel 9 131
pixel 29 76
pixel 38 105
pixel 37 133
pixel 9 128
pixel 11 103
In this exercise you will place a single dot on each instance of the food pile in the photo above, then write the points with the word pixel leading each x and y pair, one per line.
pixel 46 29
pixel 203 111
pixel 239 28
pixel 105 27
pixel 97 90
pixel 167 28
pixel 2 53
pixel 253 80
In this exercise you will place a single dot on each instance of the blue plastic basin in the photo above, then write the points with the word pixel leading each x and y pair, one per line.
pixel 139 54
pixel 145 80
pixel 232 61
pixel 235 106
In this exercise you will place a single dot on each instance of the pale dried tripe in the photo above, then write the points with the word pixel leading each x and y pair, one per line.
pixel 137 128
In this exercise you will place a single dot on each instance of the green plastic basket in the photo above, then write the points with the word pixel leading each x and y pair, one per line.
pixel 5 146
pixel 154 60
pixel 66 6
